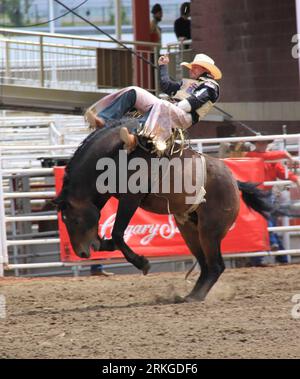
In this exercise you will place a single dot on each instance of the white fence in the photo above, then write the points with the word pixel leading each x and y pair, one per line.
pixel 21 166
pixel 64 61
pixel 7 194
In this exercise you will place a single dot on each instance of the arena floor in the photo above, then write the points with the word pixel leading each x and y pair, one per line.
pixel 247 315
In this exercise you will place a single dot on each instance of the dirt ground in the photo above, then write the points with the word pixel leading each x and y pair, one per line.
pixel 246 315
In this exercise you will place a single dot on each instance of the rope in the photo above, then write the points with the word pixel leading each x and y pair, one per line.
pixel 255 132
pixel 45 22
pixel 107 34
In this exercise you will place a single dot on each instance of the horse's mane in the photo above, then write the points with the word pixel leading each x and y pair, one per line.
pixel 98 133
pixel 85 147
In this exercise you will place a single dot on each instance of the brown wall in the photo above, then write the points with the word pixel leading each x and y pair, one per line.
pixel 206 129
pixel 250 41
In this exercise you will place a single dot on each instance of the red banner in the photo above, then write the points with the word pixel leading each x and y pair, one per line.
pixel 153 235
pixel 249 232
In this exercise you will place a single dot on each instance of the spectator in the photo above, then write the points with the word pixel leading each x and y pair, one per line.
pixel 155 30
pixel 98 270
pixel 182 26
pixel 155 36
pixel 273 170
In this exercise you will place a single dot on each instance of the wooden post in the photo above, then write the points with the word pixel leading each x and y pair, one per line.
pixel 118 20
pixel 42 68
pixel 141 27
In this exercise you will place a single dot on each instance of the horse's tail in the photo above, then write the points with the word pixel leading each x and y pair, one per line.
pixel 256 198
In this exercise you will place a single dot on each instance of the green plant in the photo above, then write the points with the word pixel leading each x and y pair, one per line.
pixel 15 10
pixel 124 18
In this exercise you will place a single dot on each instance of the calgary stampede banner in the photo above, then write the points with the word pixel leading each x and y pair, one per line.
pixel 153 235
pixel 249 232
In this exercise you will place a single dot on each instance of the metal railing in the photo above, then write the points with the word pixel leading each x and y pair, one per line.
pixel 62 61
pixel 179 52
pixel 27 186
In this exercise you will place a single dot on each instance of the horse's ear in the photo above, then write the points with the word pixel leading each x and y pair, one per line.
pixel 50 205
pixel 59 203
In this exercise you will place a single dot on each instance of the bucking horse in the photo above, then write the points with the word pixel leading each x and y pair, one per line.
pixel 202 225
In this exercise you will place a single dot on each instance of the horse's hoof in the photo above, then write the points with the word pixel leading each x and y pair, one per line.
pixel 192 299
pixel 146 266
pixel 179 299
pixel 189 299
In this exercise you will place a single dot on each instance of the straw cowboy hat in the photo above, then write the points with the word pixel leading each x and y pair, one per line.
pixel 263 141
pixel 205 61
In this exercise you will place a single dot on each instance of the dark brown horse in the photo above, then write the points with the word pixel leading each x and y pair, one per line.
pixel 203 229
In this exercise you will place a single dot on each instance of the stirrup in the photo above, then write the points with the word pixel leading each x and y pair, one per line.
pixel 130 140
pixel 144 143
pixel 93 120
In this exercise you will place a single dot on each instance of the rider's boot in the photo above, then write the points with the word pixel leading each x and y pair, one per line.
pixel 130 140
pixel 100 122
pixel 93 120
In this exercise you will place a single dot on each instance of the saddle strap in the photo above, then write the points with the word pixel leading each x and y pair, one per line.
pixel 200 198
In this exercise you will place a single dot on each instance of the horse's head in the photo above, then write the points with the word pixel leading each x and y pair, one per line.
pixel 79 213
pixel 81 219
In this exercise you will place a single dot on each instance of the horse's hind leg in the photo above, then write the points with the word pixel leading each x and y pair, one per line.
pixel 205 246
pixel 189 232
pixel 210 243
pixel 126 210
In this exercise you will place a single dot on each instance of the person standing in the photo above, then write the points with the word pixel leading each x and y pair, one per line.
pixel 273 170
pixel 182 26
pixel 155 37
pixel 192 98
pixel 98 270
pixel 155 30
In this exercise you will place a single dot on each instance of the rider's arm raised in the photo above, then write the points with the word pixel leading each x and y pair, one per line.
pixel 168 86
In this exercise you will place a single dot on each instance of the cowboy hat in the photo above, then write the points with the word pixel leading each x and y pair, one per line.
pixel 205 61
pixel 263 134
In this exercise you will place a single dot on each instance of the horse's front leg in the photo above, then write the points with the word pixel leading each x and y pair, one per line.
pixel 126 209
pixel 103 244
pixel 107 244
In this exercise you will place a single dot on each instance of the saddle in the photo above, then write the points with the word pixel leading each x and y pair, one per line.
pixel 138 137
pixel 150 144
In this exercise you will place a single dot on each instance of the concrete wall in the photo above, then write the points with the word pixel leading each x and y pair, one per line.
pixel 251 42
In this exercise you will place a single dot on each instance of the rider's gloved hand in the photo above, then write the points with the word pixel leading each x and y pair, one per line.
pixel 163 60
